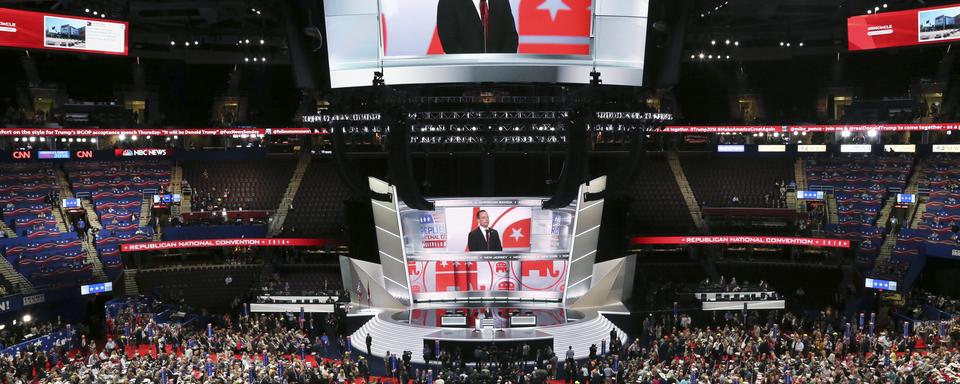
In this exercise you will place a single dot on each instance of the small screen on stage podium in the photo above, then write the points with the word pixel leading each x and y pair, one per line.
pixel 453 321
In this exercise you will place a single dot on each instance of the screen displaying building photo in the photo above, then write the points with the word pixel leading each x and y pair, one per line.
pixel 65 33
pixel 84 35
pixel 940 24
pixel 435 27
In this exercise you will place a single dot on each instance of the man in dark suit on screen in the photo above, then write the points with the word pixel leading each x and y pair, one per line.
pixel 476 26
pixel 483 238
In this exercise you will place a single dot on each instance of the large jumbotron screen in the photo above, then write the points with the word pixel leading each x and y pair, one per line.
pixel 486 247
pixel 456 41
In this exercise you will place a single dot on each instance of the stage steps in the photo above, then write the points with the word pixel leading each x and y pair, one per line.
pixel 918 212
pixel 396 338
pixel 93 258
pixel 688 196
pixel 61 221
pixel 7 231
pixel 146 207
pixel 18 281
pixel 130 287
pixel 276 225
pixel 799 174
pixel 800 177
pixel 833 215
pixel 92 219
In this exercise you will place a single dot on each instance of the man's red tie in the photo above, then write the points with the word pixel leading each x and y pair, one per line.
pixel 485 20
pixel 487 235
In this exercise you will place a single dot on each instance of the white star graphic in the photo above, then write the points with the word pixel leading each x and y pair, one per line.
pixel 554 7
pixel 516 234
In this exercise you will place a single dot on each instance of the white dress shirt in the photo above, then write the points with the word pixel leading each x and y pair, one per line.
pixel 476 4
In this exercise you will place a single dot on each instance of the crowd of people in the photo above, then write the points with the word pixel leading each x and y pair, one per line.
pixel 747 347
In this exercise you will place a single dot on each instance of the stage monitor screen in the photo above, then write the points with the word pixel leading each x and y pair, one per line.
pixel 93 289
pixel 810 195
pixel 489 247
pixel 904 28
pixel 885 285
pixel 167 198
pixel 906 198
pixel 38 30
pixel 515 41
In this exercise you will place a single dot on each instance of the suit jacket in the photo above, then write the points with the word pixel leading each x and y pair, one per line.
pixel 477 242
pixel 461 31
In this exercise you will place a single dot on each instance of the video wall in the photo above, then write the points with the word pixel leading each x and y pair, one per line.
pixel 487 246
pixel 37 30
pixel 451 41
pixel 904 28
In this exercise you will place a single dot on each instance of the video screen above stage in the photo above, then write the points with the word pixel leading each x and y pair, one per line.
pixel 518 41
pixel 487 248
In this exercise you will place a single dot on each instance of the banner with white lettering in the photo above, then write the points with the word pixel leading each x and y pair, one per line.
pixel 179 244
pixel 767 240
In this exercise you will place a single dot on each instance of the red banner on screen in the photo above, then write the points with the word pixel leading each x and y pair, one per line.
pixel 37 30
pixel 904 28
pixel 181 244
pixel 767 240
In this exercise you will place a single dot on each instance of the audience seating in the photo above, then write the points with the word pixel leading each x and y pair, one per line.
pixel 235 185
pixel 658 206
pixel 201 287
pixel 116 190
pixel 50 259
pixel 304 280
pixel 716 180
pixel 27 191
pixel 318 208
pixel 41 253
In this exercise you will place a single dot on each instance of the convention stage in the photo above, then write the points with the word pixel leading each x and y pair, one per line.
pixel 412 329
pixel 487 271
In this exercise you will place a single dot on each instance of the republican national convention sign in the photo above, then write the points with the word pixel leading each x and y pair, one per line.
pixel 212 243
pixel 764 240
